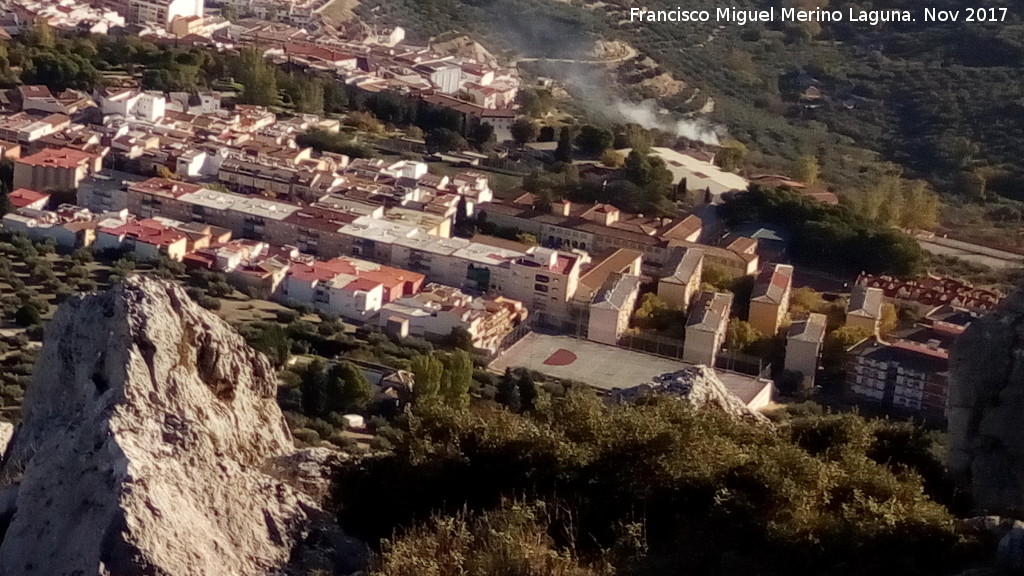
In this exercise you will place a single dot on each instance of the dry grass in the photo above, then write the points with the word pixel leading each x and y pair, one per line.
pixel 512 541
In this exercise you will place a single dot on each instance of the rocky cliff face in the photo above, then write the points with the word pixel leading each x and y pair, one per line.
pixel 151 443
pixel 986 409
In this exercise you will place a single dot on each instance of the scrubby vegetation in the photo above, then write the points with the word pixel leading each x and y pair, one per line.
pixel 656 488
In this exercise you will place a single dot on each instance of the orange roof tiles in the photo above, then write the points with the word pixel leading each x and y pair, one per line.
pixel 23 197
pixel 59 158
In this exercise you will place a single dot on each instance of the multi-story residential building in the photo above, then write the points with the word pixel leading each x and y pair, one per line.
pixel 40 99
pixel 162 12
pixel 686 267
pixel 55 169
pixel 543 279
pixel 803 346
pixel 595 228
pixel 350 288
pixel 68 226
pixel 612 308
pixel 438 310
pixel 706 327
pixel 23 198
pixel 595 273
pixel 769 300
pixel 902 375
pixel 26 128
pixel 106 191
pixel 865 308
pixel 910 371
pixel 147 239
pixel 131 103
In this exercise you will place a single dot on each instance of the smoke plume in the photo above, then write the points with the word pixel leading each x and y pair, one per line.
pixel 648 115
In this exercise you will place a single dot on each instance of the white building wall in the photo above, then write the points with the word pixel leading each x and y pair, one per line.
pixel 700 347
pixel 604 325
pixel 106 241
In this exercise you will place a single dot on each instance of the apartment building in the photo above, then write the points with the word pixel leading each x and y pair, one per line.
pixel 544 278
pixel 595 228
pixel 131 103
pixel 55 169
pixel 910 371
pixel 686 268
pixel 803 346
pixel 706 326
pixel 146 239
pixel 162 12
pixel 349 296
pixel 69 226
pixel 865 308
pixel 769 300
pixel 438 310
pixel 24 198
pixel 903 375
pixel 612 308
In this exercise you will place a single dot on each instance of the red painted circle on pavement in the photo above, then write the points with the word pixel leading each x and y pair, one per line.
pixel 561 357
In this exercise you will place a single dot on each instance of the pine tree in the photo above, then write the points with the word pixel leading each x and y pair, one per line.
pixel 563 152
pixel 313 387
pixel 427 371
pixel 456 379
pixel 527 391
pixel 508 391
pixel 257 76
pixel 356 392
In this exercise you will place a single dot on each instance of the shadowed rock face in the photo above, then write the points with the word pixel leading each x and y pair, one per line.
pixel 986 409
pixel 151 443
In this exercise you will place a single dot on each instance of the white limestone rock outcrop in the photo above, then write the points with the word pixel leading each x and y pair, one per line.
pixel 150 443
pixel 6 433
pixel 985 409
pixel 698 385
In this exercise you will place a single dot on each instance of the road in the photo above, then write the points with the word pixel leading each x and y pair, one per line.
pixel 629 55
pixel 974 253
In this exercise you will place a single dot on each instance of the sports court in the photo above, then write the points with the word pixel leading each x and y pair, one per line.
pixel 599 365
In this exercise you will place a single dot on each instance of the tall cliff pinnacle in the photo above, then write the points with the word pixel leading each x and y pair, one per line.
pixel 150 443
pixel 986 409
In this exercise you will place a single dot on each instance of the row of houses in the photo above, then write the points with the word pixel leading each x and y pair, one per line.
pixel 544 279
pixel 603 227
pixel 348 287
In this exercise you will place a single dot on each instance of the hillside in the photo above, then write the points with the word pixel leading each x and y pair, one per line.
pixel 938 101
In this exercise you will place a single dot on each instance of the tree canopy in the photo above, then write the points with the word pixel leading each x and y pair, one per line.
pixel 834 238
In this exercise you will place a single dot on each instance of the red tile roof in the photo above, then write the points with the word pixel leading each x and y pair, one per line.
pixel 148 231
pixel 164 187
pixel 23 197
pixel 59 158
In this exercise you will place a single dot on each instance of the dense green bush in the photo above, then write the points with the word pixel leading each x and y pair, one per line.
pixel 713 495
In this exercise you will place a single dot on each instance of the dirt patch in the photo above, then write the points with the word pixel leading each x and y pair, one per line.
pixel 339 11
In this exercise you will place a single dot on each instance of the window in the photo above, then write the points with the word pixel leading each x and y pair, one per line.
pixel 540 288
pixel 541 278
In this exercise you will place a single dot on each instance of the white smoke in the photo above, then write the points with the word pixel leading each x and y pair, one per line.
pixel 650 116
